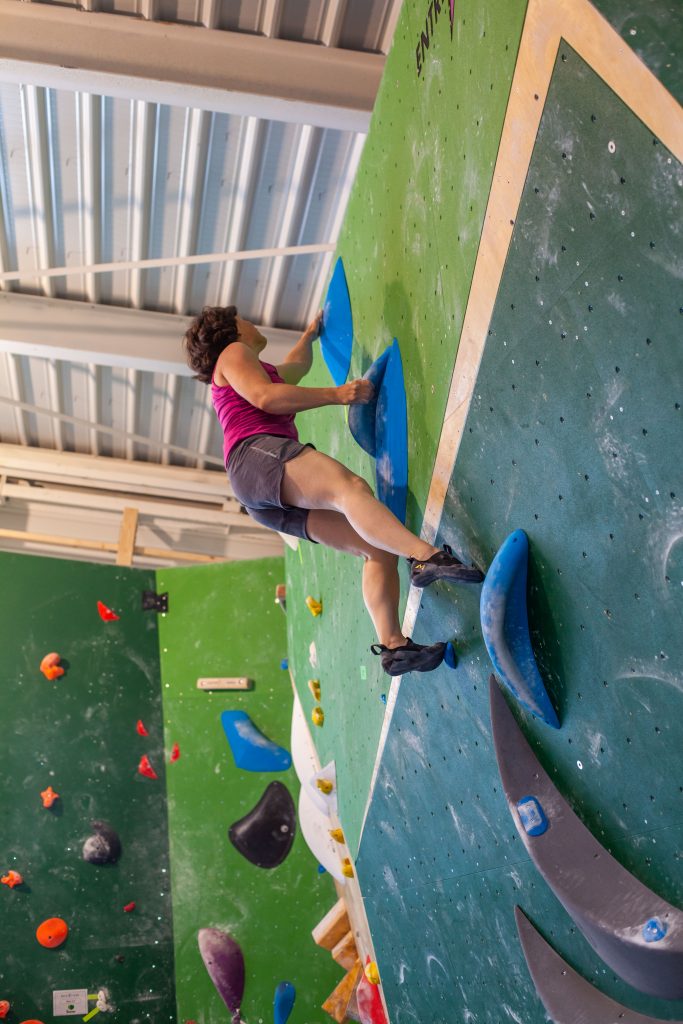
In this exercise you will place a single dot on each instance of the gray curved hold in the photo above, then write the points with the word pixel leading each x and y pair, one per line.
pixel 567 997
pixel 638 934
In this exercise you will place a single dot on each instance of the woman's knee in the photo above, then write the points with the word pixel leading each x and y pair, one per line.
pixel 353 485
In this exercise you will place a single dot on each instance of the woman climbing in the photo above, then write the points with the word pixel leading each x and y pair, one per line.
pixel 293 488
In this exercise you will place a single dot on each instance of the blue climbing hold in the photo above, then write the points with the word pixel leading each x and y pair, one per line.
pixel 505 627
pixel 253 751
pixel 383 698
pixel 654 929
pixel 284 664
pixel 381 428
pixel 283 1002
pixel 532 817
pixel 322 870
pixel 336 332
pixel 450 657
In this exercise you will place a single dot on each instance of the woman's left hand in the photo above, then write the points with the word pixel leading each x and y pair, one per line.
pixel 313 330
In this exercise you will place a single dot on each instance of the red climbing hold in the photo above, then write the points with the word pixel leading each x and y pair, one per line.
pixel 105 613
pixel 146 769
pixel 12 878
pixel 140 728
pixel 4 1008
pixel 129 906
pixel 175 753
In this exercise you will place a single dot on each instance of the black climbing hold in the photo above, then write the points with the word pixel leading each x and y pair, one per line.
pixel 104 846
pixel 154 602
pixel 265 835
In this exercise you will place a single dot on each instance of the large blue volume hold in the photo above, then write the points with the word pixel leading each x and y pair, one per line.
pixel 253 751
pixel 336 331
pixel 505 627
pixel 381 428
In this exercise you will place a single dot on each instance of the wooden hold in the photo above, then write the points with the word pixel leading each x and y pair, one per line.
pixel 226 683
pixel 333 927
pixel 345 952
pixel 337 1002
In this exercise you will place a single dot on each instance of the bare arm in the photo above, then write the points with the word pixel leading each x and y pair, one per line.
pixel 243 371
pixel 299 359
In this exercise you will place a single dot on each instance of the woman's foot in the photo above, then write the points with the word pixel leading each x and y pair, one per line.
pixel 443 565
pixel 409 657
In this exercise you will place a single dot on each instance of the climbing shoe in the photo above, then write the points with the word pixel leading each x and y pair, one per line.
pixel 443 566
pixel 410 657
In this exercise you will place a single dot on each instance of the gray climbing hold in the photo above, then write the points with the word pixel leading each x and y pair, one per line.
pixel 567 997
pixel 608 904
pixel 104 846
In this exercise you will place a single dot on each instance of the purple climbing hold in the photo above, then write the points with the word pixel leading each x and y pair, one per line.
pixel 224 962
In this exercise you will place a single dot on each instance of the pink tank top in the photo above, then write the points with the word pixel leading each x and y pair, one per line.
pixel 240 419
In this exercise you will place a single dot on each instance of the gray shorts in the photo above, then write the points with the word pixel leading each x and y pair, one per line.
pixel 255 467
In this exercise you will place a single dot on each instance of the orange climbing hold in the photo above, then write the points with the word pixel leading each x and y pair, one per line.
pixel 11 879
pixel 145 768
pixel 175 753
pixel 106 614
pixel 52 932
pixel 4 1008
pixel 49 796
pixel 140 729
pixel 50 666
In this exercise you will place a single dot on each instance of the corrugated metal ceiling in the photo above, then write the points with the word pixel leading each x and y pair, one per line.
pixel 88 179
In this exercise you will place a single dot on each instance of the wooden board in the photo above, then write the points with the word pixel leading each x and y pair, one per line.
pixel 226 683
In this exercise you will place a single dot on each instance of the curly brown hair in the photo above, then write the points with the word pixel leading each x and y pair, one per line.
pixel 206 337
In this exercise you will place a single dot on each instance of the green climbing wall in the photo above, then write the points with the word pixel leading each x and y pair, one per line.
pixel 223 621
pixel 409 244
pixel 573 435
pixel 78 735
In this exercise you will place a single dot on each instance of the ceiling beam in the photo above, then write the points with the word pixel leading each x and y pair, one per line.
pixel 81 332
pixel 187 66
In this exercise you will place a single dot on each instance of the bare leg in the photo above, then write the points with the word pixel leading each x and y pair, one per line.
pixel 315 481
pixel 381 588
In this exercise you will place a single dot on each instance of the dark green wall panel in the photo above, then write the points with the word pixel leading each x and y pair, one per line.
pixel 654 29
pixel 78 735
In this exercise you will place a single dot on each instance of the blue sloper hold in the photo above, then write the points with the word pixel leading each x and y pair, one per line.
pixel 567 997
pixel 505 627
pixel 283 1002
pixel 253 751
pixel 381 428
pixel 336 331
pixel 614 910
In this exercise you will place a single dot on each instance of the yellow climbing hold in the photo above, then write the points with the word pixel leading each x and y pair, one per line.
pixel 347 868
pixel 324 785
pixel 337 835
pixel 314 607
pixel 371 972
pixel 317 716
pixel 314 687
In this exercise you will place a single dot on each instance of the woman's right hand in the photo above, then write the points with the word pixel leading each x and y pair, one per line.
pixel 356 392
